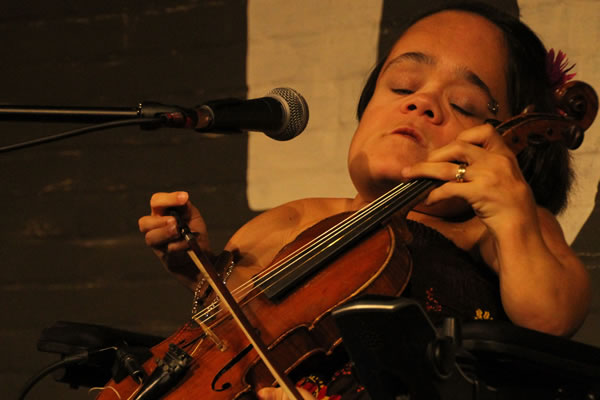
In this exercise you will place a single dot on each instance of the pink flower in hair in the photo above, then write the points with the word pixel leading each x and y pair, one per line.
pixel 558 68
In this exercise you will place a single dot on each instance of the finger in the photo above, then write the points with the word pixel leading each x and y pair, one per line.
pixel 479 187
pixel 483 204
pixel 160 236
pixel 179 245
pixel 458 151
pixel 150 222
pixel 443 171
pixel 471 145
pixel 305 394
pixel 449 190
pixel 484 136
pixel 270 393
pixel 160 201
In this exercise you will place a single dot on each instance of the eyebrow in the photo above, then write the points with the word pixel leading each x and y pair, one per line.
pixel 462 71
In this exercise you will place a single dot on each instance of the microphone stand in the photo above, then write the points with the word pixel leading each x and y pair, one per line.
pixel 67 114
pixel 174 116
pixel 148 115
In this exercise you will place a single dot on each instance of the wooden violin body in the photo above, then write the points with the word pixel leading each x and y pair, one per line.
pixel 295 327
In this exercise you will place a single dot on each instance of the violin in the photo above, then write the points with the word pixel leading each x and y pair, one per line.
pixel 210 358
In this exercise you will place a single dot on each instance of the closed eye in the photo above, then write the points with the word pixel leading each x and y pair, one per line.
pixel 402 91
pixel 462 111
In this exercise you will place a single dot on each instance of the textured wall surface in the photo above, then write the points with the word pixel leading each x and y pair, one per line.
pixel 69 243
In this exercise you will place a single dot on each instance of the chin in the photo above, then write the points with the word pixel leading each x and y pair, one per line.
pixel 373 177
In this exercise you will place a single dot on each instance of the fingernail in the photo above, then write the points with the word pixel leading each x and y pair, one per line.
pixel 182 196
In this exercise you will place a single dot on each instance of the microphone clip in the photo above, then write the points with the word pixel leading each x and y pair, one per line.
pixel 170 116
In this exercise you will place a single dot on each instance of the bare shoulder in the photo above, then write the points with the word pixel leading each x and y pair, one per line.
pixel 259 240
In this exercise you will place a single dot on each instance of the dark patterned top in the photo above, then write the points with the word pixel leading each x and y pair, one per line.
pixel 446 281
pixel 449 281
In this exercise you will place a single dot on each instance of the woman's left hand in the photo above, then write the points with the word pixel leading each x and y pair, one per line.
pixel 492 185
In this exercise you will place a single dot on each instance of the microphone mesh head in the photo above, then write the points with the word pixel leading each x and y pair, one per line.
pixel 295 113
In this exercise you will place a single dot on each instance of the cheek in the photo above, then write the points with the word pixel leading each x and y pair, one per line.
pixel 449 133
pixel 443 139
pixel 356 145
pixel 369 125
pixel 366 127
pixel 360 152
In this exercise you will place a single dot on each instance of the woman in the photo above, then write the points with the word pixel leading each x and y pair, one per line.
pixel 422 113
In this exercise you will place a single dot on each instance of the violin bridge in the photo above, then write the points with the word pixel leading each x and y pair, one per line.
pixel 221 344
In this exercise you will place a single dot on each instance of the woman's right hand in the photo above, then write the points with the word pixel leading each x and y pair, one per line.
pixel 270 393
pixel 162 236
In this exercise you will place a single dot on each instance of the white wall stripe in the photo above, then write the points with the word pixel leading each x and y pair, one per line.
pixel 574 27
pixel 323 49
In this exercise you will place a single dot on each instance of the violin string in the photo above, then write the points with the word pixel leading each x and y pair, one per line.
pixel 276 270
pixel 333 232
pixel 280 267
pixel 90 390
pixel 323 238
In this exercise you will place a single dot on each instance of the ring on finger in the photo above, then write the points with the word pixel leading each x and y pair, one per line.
pixel 460 172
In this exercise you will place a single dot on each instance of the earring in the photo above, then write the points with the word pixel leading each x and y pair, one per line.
pixel 493 107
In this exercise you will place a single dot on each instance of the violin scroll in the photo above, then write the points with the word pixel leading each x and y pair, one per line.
pixel 577 106
pixel 579 101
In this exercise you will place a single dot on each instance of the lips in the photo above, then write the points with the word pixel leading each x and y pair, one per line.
pixel 409 132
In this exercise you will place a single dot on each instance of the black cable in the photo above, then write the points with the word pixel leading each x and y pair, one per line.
pixel 51 368
pixel 107 125
pixel 72 359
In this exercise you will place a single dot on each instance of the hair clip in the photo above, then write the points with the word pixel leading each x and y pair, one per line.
pixel 493 107
pixel 557 68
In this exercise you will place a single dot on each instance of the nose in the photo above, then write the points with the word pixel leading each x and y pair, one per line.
pixel 423 105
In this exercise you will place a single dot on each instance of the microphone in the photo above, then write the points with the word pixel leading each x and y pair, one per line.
pixel 282 115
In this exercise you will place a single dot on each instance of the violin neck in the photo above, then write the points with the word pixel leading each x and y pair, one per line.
pixel 402 197
pixel 340 237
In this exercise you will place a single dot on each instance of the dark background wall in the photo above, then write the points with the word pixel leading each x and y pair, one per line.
pixel 70 248
pixel 69 244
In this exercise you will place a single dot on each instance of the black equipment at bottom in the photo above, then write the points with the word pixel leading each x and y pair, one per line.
pixel 399 354
pixel 396 350
pixel 110 353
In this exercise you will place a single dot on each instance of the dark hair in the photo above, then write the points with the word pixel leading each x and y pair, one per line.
pixel 546 168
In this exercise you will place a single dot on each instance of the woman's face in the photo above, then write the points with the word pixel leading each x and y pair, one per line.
pixel 439 79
